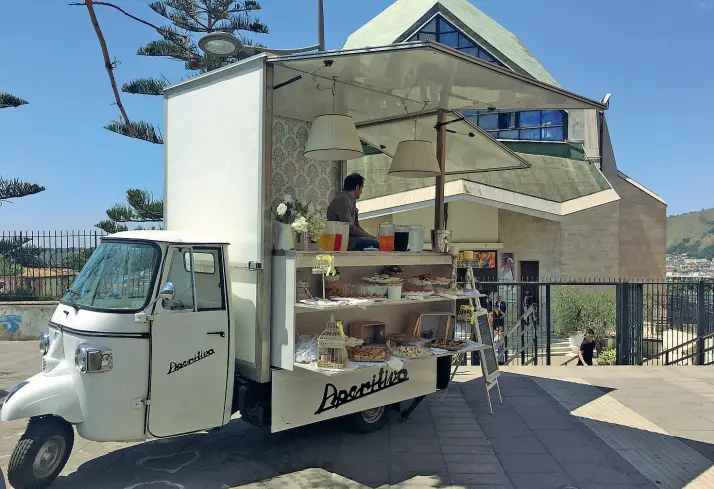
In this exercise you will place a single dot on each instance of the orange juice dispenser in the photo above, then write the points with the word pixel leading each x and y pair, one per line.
pixel 386 237
pixel 333 236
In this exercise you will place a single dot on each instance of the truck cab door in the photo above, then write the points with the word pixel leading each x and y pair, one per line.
pixel 190 337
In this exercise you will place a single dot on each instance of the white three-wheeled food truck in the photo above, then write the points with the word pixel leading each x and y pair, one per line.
pixel 171 332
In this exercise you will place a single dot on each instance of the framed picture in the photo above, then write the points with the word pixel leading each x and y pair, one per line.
pixel 507 268
pixel 485 259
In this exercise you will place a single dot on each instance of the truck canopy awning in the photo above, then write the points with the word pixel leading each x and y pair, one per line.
pixel 469 149
pixel 385 88
pixel 386 82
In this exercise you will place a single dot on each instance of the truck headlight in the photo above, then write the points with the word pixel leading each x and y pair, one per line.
pixel 90 358
pixel 44 343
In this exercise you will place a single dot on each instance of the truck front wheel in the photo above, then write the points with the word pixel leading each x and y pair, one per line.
pixel 41 453
pixel 369 420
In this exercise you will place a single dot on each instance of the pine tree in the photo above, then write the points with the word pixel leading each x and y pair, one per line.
pixel 141 207
pixel 13 188
pixel 189 20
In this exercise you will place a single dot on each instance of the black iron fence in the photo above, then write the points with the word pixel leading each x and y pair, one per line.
pixel 39 265
pixel 635 323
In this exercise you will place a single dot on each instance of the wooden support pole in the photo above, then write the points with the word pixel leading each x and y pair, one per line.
pixel 440 180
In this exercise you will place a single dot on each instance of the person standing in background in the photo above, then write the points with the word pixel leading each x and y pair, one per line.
pixel 587 348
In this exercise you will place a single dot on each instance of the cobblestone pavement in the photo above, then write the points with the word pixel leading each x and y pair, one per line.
pixel 586 428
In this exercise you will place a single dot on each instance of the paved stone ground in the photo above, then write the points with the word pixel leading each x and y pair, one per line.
pixel 587 428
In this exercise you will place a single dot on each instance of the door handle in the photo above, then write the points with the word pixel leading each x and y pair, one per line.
pixel 219 333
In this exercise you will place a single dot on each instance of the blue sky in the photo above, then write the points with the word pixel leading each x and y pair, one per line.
pixel 654 56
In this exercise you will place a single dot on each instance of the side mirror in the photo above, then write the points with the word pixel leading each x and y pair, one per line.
pixel 167 292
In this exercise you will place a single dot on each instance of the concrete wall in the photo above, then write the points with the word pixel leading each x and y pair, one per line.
pixel 24 320
pixel 530 239
pixel 590 243
pixel 642 223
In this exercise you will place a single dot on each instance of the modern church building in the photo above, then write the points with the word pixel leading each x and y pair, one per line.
pixel 569 212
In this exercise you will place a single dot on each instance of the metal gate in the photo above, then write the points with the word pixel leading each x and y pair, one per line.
pixel 654 323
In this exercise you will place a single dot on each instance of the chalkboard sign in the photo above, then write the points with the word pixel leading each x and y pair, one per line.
pixel 489 365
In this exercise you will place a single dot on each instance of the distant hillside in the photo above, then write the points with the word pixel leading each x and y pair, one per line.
pixel 692 233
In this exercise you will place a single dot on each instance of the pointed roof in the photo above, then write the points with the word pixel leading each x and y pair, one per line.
pixel 404 15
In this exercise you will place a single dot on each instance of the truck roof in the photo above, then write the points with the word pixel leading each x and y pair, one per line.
pixel 168 237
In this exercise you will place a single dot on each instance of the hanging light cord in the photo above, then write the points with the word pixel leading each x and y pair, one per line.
pixel 334 91
pixel 418 114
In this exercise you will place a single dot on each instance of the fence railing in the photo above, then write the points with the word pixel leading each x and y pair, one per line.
pixel 647 323
pixel 41 265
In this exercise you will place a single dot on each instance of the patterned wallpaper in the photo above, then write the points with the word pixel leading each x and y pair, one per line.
pixel 316 182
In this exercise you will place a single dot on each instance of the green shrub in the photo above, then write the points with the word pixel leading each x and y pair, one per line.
pixel 608 357
pixel 575 309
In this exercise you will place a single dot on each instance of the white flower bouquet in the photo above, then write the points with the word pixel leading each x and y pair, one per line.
pixel 302 217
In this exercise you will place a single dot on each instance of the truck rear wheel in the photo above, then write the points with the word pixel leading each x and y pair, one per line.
pixel 369 420
pixel 41 453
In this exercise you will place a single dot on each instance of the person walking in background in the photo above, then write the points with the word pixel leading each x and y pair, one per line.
pixel 499 312
pixel 528 302
pixel 587 348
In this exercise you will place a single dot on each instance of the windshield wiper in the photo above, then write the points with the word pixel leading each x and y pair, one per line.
pixel 72 303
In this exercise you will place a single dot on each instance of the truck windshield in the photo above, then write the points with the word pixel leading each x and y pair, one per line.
pixel 118 276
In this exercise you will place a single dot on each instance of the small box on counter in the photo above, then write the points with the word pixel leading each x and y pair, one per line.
pixel 369 331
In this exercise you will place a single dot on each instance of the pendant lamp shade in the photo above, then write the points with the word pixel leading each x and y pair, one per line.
pixel 333 137
pixel 415 159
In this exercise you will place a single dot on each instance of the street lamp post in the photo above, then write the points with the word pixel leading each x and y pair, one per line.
pixel 225 44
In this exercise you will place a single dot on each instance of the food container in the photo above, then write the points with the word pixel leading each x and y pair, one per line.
pixel 345 228
pixel 386 237
pixel 440 240
pixel 468 256
pixel 368 331
pixel 394 292
pixel 416 238
pixel 401 238
pixel 334 237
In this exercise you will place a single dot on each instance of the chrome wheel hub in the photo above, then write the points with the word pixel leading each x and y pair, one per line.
pixel 373 415
pixel 49 457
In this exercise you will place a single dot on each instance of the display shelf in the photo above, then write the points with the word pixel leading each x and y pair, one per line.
pixel 303 308
pixel 355 366
pixel 306 259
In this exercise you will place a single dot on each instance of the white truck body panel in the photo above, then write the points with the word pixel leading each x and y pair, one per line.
pixel 214 180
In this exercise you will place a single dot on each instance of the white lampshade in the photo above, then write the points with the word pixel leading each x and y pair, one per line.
pixel 415 159
pixel 333 137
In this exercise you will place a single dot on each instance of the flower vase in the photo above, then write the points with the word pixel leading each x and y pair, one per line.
pixel 303 242
pixel 285 240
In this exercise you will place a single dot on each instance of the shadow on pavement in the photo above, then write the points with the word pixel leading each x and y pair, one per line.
pixel 536 439
pixel 548 422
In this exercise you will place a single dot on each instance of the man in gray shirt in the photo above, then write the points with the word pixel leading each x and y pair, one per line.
pixel 343 208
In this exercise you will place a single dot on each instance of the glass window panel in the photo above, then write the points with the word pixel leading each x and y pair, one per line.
pixel 485 56
pixel 209 293
pixel 488 121
pixel 182 281
pixel 427 36
pixel 529 118
pixel 471 51
pixel 445 26
pixel 506 120
pixel 552 134
pixel 430 27
pixel 529 134
pixel 465 42
pixel 552 118
pixel 451 39
pixel 507 134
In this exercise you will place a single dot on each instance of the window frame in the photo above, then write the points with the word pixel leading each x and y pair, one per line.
pixel 438 20
pixel 496 133
pixel 219 269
